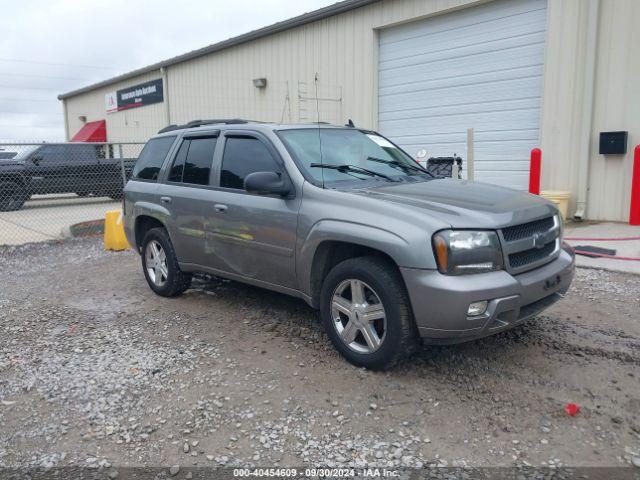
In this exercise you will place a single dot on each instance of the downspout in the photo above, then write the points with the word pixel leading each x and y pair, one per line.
pixel 584 153
pixel 66 120
pixel 165 92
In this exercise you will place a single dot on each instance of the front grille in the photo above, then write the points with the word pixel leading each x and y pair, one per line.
pixel 525 230
pixel 532 255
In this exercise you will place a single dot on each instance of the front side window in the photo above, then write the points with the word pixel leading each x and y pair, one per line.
pixel 353 151
pixel 151 158
pixel 242 156
pixel 50 154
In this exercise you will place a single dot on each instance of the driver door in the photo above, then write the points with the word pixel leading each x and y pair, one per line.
pixel 251 235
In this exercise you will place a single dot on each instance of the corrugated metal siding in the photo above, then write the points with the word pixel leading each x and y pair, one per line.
pixel 220 85
pixel 617 107
pixel 616 102
pixel 477 68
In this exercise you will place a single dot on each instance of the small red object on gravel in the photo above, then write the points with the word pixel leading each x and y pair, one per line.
pixel 572 409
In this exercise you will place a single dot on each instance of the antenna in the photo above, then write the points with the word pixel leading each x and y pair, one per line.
pixel 315 81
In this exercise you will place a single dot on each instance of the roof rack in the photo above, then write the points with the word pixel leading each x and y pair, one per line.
pixel 200 123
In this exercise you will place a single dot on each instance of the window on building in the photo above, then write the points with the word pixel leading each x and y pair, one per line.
pixel 243 156
pixel 151 158
pixel 197 165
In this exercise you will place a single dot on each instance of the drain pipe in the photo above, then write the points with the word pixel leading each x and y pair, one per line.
pixel 165 93
pixel 584 151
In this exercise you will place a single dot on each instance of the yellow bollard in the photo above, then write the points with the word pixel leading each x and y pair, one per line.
pixel 114 237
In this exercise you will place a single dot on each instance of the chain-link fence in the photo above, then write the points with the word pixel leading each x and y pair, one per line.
pixel 50 190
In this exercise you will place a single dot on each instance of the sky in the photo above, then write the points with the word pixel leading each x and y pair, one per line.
pixel 50 47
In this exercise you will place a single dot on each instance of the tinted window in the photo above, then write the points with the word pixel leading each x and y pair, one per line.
pixel 243 156
pixel 348 146
pixel 151 158
pixel 175 175
pixel 50 153
pixel 197 165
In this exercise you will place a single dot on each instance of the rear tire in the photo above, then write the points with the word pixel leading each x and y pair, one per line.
pixel 386 330
pixel 160 265
pixel 12 196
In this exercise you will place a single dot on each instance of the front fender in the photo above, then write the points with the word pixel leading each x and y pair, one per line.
pixel 377 238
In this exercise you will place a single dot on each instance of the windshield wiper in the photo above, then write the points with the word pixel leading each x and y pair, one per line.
pixel 352 168
pixel 403 166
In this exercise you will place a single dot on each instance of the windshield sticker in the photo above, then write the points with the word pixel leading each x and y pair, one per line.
pixel 382 142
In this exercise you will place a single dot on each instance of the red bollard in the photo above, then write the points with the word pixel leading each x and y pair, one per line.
pixel 634 209
pixel 534 171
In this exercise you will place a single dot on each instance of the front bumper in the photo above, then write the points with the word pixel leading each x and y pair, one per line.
pixel 440 302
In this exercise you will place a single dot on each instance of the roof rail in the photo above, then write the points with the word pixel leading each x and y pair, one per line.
pixel 200 123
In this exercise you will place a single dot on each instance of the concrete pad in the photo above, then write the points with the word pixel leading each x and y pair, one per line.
pixel 606 230
pixel 49 217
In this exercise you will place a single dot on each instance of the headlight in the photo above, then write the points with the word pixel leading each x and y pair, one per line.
pixel 460 252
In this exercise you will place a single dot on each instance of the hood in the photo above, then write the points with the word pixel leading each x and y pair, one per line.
pixel 465 204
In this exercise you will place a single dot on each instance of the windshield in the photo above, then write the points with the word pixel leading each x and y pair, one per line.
pixel 348 147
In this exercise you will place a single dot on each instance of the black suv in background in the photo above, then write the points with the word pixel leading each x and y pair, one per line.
pixel 58 168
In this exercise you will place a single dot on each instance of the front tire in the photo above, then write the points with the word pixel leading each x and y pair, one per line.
pixel 367 314
pixel 160 265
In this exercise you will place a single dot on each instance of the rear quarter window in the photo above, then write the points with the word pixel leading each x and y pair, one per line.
pixel 151 158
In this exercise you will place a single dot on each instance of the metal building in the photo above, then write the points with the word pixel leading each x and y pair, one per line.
pixel 552 74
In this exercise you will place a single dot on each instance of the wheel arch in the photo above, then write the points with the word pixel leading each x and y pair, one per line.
pixel 333 242
pixel 143 224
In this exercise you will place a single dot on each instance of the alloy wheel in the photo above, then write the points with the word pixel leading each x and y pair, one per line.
pixel 358 316
pixel 156 263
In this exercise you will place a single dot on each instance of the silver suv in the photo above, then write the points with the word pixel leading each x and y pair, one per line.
pixel 346 220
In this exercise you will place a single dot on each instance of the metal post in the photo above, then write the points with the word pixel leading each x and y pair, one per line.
pixel 534 171
pixel 470 167
pixel 634 209
pixel 124 174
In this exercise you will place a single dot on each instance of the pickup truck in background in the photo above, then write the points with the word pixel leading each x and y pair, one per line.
pixel 59 168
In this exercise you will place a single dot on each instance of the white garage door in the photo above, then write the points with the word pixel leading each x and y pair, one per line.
pixel 478 68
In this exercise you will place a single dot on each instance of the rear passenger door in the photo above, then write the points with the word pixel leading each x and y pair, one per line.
pixel 184 194
pixel 48 170
pixel 251 235
pixel 82 169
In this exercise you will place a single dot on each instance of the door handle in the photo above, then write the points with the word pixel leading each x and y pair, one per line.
pixel 218 207
pixel 165 199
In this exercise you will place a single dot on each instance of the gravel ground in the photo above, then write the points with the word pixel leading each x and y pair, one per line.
pixel 97 371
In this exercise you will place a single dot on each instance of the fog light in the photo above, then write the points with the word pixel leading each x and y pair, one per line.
pixel 477 308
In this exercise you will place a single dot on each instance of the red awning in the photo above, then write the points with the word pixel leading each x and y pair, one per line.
pixel 92 132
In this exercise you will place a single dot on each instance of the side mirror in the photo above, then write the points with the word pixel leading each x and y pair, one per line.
pixel 36 160
pixel 267 183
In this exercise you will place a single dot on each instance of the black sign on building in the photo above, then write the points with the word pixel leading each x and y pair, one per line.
pixel 140 95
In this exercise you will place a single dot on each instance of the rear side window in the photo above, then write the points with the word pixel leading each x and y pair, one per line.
pixel 197 166
pixel 175 175
pixel 151 158
pixel 243 156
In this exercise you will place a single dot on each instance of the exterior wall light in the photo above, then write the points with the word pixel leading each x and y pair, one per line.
pixel 260 82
